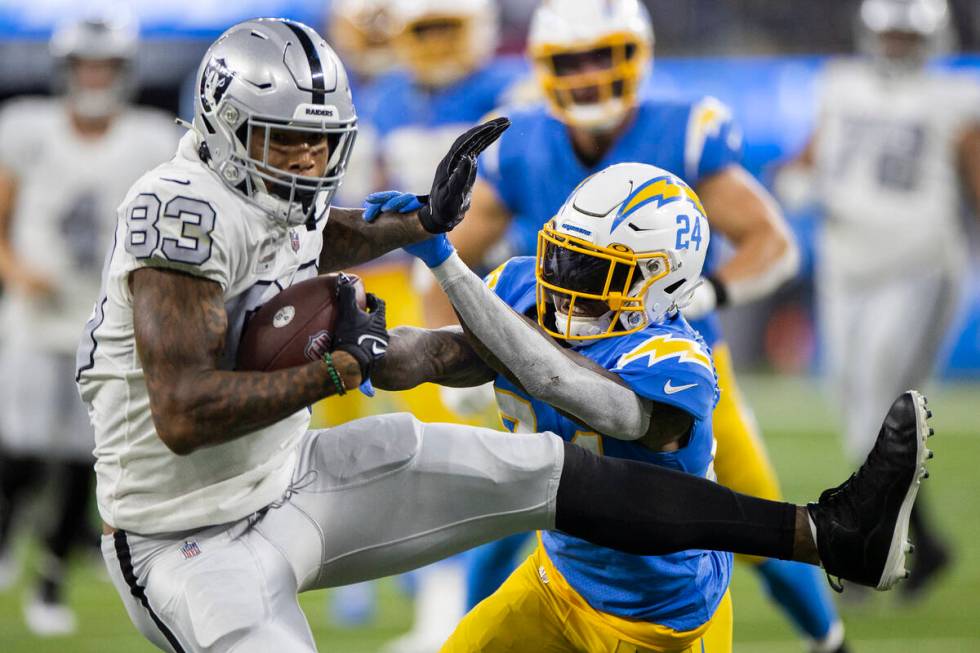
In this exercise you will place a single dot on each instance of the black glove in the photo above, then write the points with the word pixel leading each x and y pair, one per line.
pixel 452 187
pixel 362 334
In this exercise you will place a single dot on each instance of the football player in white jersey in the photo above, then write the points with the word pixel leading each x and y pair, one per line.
pixel 65 163
pixel 219 505
pixel 896 144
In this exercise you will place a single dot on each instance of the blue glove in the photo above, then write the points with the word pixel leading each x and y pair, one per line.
pixel 433 252
pixel 366 388
pixel 390 201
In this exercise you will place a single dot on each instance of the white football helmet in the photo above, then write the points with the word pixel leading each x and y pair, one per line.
pixel 361 31
pixel 591 57
pixel 925 23
pixel 266 77
pixel 98 38
pixel 442 41
pixel 624 251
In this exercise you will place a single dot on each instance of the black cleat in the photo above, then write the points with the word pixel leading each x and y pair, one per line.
pixel 863 523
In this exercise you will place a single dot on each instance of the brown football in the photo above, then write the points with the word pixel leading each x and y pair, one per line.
pixel 294 327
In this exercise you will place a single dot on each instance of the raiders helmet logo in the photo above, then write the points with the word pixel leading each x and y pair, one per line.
pixel 214 83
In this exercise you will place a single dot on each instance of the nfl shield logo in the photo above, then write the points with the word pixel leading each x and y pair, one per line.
pixel 294 240
pixel 190 550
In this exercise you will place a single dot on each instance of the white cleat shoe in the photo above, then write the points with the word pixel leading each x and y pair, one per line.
pixel 49 619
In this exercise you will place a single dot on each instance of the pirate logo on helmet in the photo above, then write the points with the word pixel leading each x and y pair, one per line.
pixel 214 83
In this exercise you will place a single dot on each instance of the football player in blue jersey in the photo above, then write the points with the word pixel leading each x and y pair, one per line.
pixel 619 372
pixel 591 58
pixel 612 297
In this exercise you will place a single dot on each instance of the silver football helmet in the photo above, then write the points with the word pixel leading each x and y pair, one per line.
pixel 903 34
pixel 97 38
pixel 272 76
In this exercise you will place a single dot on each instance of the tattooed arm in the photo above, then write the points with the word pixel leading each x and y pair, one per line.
pixel 180 324
pixel 349 240
pixel 442 356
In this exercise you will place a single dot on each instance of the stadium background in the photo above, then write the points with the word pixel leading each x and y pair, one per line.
pixel 760 57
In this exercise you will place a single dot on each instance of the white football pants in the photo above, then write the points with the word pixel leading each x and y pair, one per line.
pixel 882 338
pixel 372 498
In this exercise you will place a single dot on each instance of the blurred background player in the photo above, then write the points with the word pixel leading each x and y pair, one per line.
pixel 899 145
pixel 65 163
pixel 361 32
pixel 591 59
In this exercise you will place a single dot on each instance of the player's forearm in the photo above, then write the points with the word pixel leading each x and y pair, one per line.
pixel 543 368
pixel 349 240
pixel 212 407
pixel 8 258
pixel 766 255
pixel 417 356
pixel 762 263
pixel 180 325
pixel 969 161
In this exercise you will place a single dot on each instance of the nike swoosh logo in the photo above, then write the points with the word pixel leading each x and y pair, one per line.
pixel 671 389
pixel 182 182
pixel 378 346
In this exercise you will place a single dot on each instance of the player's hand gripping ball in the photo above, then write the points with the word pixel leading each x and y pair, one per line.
pixel 296 326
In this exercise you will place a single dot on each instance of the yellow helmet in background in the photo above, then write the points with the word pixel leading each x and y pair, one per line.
pixel 361 31
pixel 442 41
pixel 591 57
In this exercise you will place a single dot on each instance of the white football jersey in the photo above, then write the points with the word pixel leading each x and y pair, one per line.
pixel 67 190
pixel 886 162
pixel 181 216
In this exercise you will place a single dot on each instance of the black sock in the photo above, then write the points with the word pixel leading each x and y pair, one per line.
pixel 17 475
pixel 77 480
pixel 649 510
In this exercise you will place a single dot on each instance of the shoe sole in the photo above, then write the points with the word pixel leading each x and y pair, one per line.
pixel 895 570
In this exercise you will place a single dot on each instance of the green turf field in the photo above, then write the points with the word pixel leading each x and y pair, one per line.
pixel 805 450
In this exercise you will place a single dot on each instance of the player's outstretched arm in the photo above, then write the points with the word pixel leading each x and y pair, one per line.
pixel 353 236
pixel 542 368
pixel 444 356
pixel 349 240
pixel 180 325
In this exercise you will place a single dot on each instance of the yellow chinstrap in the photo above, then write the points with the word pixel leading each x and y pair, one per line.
pixel 626 69
pixel 619 300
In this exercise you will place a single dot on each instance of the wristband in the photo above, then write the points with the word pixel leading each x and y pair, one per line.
pixel 721 291
pixel 334 375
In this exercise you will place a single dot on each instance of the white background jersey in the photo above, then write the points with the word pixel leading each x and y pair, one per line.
pixel 67 190
pixel 887 169
pixel 181 216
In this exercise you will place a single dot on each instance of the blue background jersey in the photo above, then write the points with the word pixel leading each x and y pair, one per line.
pixel 535 167
pixel 416 126
pixel 396 100
pixel 681 590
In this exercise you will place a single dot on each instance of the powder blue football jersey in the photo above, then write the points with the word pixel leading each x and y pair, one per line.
pixel 668 363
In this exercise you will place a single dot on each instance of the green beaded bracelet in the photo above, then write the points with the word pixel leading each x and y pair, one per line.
pixel 334 375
